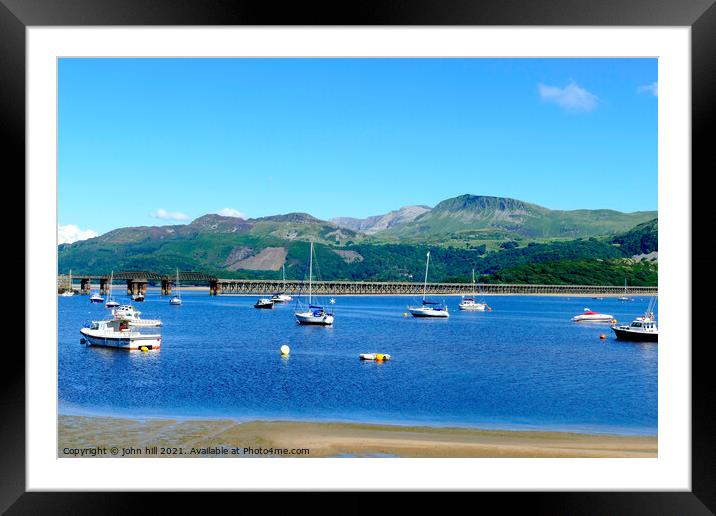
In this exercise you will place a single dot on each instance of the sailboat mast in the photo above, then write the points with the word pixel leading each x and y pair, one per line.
pixel 178 292
pixel 310 273
pixel 425 283
pixel 474 289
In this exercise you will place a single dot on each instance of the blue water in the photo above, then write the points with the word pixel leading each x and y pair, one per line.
pixel 524 365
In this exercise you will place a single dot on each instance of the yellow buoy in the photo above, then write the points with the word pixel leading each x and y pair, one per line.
pixel 405 314
pixel 144 348
pixel 379 356
pixel 285 350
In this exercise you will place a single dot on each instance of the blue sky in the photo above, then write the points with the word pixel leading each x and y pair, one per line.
pixel 162 141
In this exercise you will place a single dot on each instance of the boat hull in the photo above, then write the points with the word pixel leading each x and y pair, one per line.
pixel 264 306
pixel 590 318
pixel 428 312
pixel 308 318
pixel 473 308
pixel 128 342
pixel 281 298
pixel 175 301
pixel 635 336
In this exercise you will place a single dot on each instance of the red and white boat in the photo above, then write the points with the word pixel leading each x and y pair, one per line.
pixel 590 316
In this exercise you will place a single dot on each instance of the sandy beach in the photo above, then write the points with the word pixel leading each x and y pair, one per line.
pixel 87 436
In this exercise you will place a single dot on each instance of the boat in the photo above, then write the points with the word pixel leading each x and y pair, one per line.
pixel 138 297
pixel 70 292
pixel 625 297
pixel 590 316
pixel 429 308
pixel 118 333
pixel 469 303
pixel 132 315
pixel 264 303
pixel 282 297
pixel 374 356
pixel 95 298
pixel 314 314
pixel 176 298
pixel 111 303
pixel 641 329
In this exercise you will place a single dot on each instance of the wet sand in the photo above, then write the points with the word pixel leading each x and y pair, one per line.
pixel 80 435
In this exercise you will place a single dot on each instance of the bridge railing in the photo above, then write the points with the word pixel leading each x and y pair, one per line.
pixel 247 287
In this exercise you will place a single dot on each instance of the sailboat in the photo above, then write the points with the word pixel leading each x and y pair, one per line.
pixel 470 303
pixel 70 292
pixel 428 308
pixel 111 303
pixel 95 298
pixel 282 297
pixel 176 298
pixel 625 297
pixel 315 314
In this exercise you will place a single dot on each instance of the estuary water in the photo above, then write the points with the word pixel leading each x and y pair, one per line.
pixel 525 365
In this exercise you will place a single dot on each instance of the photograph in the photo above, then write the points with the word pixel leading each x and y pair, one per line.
pixel 357 257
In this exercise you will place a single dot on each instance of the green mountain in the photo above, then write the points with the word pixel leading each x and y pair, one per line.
pixel 478 217
pixel 258 248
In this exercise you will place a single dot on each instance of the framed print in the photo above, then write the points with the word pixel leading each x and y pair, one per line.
pixel 411 250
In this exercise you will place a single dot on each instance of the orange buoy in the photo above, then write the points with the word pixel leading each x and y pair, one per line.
pixel 602 336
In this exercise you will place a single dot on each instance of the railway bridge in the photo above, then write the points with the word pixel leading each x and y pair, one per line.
pixel 137 281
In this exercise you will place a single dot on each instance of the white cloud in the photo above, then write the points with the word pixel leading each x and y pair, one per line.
pixel 652 88
pixel 71 233
pixel 231 212
pixel 572 97
pixel 161 213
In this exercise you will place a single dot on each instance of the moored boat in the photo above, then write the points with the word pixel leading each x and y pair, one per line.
pixel 282 297
pixel 429 308
pixel 315 314
pixel 590 316
pixel 117 333
pixel 138 297
pixel 132 315
pixel 641 329
pixel 111 303
pixel 176 298
pixel 96 298
pixel 264 303
pixel 470 303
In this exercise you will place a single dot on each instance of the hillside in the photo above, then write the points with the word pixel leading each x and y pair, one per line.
pixel 378 223
pixel 642 239
pixel 258 248
pixel 475 217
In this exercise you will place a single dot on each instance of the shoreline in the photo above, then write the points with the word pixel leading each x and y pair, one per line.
pixel 332 439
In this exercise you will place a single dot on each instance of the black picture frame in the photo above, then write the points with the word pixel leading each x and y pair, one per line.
pixel 700 15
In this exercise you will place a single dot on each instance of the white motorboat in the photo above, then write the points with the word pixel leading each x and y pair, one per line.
pixel 95 298
pixel 429 308
pixel 315 314
pixel 590 316
pixel 132 315
pixel 641 329
pixel 70 292
pixel 138 297
pixel 470 303
pixel 176 298
pixel 111 303
pixel 118 333
pixel 282 297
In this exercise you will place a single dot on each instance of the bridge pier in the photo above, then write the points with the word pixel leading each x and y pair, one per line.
pixel 85 284
pixel 213 288
pixel 103 286
pixel 135 287
pixel 166 287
